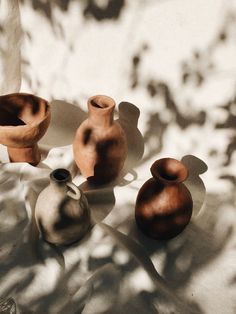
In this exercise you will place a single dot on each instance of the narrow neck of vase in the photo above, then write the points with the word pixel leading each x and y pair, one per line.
pixel 59 178
pixel 169 171
pixel 101 110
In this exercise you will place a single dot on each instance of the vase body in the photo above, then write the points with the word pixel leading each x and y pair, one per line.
pixel 164 204
pixel 24 119
pixel 100 146
pixel 62 216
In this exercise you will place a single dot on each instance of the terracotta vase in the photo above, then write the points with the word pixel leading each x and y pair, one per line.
pixel 100 146
pixel 24 119
pixel 164 204
pixel 61 212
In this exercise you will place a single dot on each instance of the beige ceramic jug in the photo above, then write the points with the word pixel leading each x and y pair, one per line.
pixel 62 213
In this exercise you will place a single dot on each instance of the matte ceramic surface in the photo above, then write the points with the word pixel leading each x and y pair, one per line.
pixel 24 119
pixel 164 204
pixel 100 146
pixel 62 213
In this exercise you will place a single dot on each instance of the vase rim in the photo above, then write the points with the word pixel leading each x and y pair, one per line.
pixel 169 171
pixel 60 175
pixel 101 103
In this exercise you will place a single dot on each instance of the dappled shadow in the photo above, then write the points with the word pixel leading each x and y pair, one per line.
pixel 161 89
pixel 129 262
pixel 194 72
pixel 230 124
pixel 195 249
pixel 200 245
pixel 158 125
pixel 7 306
pixel 109 10
pixel 201 65
pixel 46 7
pixel 136 61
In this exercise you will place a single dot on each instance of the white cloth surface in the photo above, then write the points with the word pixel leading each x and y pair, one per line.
pixel 184 88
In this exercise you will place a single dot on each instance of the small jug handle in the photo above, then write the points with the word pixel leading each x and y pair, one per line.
pixel 76 192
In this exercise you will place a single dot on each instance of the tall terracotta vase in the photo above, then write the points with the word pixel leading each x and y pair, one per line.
pixel 24 119
pixel 164 204
pixel 61 212
pixel 100 146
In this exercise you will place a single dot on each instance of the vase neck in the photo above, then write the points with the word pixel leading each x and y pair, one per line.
pixel 169 171
pixel 101 111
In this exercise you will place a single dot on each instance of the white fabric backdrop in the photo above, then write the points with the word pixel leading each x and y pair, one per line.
pixel 174 61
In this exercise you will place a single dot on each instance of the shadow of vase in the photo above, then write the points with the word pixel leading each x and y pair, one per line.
pixel 101 200
pixel 56 145
pixel 194 183
pixel 128 119
pixel 66 118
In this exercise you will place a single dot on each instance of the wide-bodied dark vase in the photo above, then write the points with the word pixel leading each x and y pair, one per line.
pixel 164 204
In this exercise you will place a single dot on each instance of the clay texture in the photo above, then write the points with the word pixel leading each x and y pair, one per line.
pixel 24 119
pixel 62 213
pixel 100 146
pixel 164 204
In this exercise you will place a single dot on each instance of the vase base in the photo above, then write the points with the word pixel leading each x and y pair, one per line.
pixel 25 154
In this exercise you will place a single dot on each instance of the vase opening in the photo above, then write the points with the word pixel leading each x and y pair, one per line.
pixel 100 105
pixel 101 102
pixel 169 170
pixel 60 175
pixel 101 110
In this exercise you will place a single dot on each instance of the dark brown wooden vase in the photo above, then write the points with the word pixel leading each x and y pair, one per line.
pixel 164 204
pixel 100 146
pixel 24 119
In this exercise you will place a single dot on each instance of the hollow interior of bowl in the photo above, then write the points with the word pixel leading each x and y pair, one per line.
pixel 99 102
pixel 21 109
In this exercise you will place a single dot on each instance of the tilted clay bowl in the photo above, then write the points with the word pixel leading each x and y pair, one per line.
pixel 24 119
